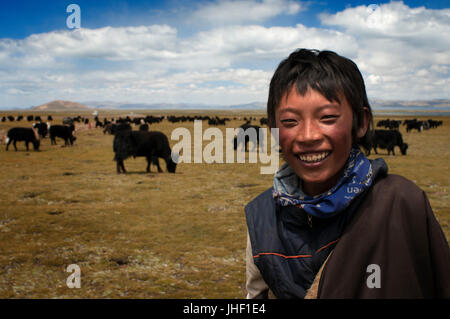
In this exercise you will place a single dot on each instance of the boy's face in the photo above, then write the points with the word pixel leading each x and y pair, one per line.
pixel 316 137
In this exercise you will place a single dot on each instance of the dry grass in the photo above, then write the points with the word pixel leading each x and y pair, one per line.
pixel 151 235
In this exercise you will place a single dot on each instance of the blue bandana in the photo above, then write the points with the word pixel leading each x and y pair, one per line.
pixel 357 177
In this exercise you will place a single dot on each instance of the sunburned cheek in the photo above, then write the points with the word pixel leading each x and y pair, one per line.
pixel 340 136
pixel 284 138
pixel 283 142
pixel 286 149
pixel 337 130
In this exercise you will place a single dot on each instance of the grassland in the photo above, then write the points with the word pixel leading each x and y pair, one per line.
pixel 149 235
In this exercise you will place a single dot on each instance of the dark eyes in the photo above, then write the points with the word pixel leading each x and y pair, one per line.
pixel 288 122
pixel 327 119
pixel 330 118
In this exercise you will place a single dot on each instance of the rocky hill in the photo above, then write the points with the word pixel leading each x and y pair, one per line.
pixel 60 105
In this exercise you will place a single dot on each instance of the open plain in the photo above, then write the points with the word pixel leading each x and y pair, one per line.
pixel 150 235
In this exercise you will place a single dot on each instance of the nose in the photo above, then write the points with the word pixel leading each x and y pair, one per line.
pixel 309 133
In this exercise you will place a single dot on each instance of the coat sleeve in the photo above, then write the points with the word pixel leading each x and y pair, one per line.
pixel 396 230
pixel 255 284
pixel 439 254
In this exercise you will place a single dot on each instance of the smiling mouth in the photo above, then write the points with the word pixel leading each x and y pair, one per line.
pixel 313 157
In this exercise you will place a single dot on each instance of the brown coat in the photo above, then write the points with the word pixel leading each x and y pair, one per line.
pixel 395 230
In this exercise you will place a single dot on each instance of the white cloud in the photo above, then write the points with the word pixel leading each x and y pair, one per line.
pixel 228 64
pixel 259 42
pixel 152 63
pixel 243 11
pixel 407 50
pixel 122 43
pixel 394 20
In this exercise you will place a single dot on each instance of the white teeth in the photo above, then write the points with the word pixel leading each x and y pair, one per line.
pixel 313 158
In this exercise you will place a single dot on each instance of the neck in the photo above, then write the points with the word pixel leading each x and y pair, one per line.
pixel 314 189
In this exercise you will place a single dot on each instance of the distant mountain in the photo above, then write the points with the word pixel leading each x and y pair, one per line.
pixel 379 104
pixel 375 103
pixel 249 106
pixel 60 105
pixel 437 103
pixel 170 106
pixel 103 104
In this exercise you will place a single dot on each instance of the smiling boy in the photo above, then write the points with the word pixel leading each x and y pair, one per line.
pixel 316 136
pixel 332 215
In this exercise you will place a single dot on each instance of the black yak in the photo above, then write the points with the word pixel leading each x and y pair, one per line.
pixel 42 128
pixel 22 134
pixel 151 145
pixel 386 139
pixel 62 131
pixel 113 128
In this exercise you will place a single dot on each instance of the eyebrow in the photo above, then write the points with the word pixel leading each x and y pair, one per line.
pixel 320 108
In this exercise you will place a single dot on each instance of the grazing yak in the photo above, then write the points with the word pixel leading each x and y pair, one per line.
pixel 390 124
pixel 151 145
pixel 22 134
pixel 62 131
pixel 417 125
pixel 386 139
pixel 42 128
pixel 113 128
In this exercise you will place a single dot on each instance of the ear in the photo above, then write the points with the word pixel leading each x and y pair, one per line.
pixel 364 125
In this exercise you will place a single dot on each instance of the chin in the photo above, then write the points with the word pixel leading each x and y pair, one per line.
pixel 319 183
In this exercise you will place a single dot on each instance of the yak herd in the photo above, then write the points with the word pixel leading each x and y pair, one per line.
pixel 39 131
pixel 154 144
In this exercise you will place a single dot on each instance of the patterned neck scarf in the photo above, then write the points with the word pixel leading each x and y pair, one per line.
pixel 357 177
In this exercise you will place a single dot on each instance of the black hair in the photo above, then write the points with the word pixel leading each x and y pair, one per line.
pixel 325 72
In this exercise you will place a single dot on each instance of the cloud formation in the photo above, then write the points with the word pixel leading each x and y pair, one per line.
pixel 243 11
pixel 403 53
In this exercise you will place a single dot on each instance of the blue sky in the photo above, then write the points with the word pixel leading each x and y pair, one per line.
pixel 213 52
pixel 19 19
